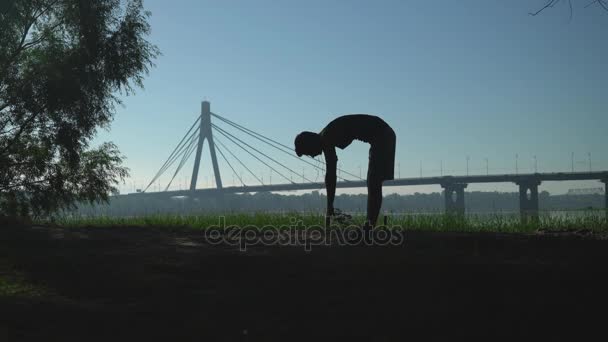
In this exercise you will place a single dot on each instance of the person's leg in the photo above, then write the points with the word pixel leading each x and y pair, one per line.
pixel 381 168
pixel 374 199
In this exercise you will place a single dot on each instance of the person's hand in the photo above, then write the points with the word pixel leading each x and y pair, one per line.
pixel 341 217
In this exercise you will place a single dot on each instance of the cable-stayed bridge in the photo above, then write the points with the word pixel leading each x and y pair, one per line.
pixel 217 137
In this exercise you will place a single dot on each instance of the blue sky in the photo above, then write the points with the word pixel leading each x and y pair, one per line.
pixel 477 78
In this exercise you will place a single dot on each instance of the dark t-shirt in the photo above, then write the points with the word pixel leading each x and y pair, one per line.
pixel 343 130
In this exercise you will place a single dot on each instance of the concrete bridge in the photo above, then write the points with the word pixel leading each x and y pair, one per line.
pixel 454 186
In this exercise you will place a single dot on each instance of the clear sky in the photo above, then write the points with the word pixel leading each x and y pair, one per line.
pixel 477 78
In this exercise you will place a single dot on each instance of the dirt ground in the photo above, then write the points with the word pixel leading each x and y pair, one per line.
pixel 137 284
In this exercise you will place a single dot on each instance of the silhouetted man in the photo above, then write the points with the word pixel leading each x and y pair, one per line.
pixel 340 133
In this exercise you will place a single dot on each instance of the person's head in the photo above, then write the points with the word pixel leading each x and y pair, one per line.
pixel 308 143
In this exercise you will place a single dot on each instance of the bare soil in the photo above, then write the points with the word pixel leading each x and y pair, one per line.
pixel 138 284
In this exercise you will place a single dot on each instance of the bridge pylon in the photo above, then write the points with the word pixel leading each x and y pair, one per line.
pixel 605 181
pixel 205 133
pixel 454 198
pixel 528 199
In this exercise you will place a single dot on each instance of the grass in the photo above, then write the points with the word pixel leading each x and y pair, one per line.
pixel 14 283
pixel 505 223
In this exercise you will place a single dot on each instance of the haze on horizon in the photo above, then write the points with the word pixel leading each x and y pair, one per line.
pixel 482 79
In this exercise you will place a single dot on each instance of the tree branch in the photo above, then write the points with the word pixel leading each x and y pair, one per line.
pixel 15 185
pixel 591 3
pixel 26 30
pixel 601 2
pixel 6 123
pixel 550 3
pixel 41 38
pixel 4 131
pixel 22 128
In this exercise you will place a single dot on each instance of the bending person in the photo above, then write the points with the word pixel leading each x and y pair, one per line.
pixel 340 133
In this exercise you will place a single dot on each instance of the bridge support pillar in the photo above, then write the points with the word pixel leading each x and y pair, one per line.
pixel 205 133
pixel 454 198
pixel 528 199
pixel 605 181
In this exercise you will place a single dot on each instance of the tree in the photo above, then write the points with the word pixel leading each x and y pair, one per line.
pixel 552 3
pixel 63 64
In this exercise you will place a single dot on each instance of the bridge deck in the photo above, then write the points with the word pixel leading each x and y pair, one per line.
pixel 443 180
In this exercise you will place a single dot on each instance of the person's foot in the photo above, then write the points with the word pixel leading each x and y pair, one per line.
pixel 340 217
pixel 366 231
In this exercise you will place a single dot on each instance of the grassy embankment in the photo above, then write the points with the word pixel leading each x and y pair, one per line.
pixel 589 220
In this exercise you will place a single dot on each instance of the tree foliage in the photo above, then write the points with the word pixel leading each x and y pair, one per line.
pixel 63 64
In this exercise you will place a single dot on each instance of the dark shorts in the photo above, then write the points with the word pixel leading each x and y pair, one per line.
pixel 382 157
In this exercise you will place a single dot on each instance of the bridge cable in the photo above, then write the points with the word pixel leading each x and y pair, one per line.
pixel 173 157
pixel 250 132
pixel 227 162
pixel 290 152
pixel 186 155
pixel 177 147
pixel 192 139
pixel 258 136
pixel 241 127
pixel 235 157
pixel 263 154
pixel 228 135
pixel 175 150
pixel 266 140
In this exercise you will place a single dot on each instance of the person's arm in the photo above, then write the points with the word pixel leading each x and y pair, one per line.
pixel 331 161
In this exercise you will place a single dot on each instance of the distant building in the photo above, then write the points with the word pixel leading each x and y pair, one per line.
pixel 586 191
